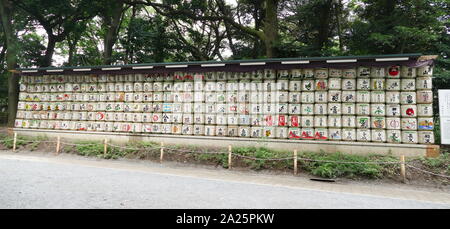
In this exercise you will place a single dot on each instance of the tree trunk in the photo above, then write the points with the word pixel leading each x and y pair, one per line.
pixel 50 50
pixel 11 59
pixel 271 28
pixel 112 22
pixel 324 29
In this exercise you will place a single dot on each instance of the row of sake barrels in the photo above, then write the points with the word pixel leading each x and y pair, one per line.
pixel 364 122
pixel 422 96
pixel 391 71
pixel 338 134
pixel 243 85
pixel 374 109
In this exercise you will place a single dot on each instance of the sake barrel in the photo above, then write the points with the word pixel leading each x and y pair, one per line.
pixel 423 83
pixel 334 72
pixel 221 119
pixel 426 137
pixel 393 123
pixel 166 128
pixel 408 72
pixel 168 97
pixel 118 87
pixel 393 136
pixel 268 74
pixel 348 121
pixel 363 84
pixel 148 87
pixel 409 137
pixel 268 132
pixel 293 121
pixel 393 71
pixel 167 86
pixel 233 86
pixel 176 128
pixel 320 121
pixel 308 85
pixel 232 119
pixel 232 108
pixel 363 71
pixel 283 74
pixel 244 131
pixel 348 109
pixel 408 110
pixel 281 132
pixel 307 109
pixel 334 96
pixel 211 108
pixel 363 109
pixel 425 110
pixel 378 109
pixel 320 96
pixel 157 86
pixel 334 121
pixel 294 109
pixel 378 72
pixel 377 97
pixel 408 123
pixel 283 96
pixel 425 96
pixel 166 118
pixel 294 85
pixel 222 76
pixel 408 97
pixel 232 131
pixel 393 110
pixel 348 134
pixel 156 128
pixel 348 84
pixel 294 133
pixel 221 108
pixel 222 86
pixel 363 122
pixel 187 129
pixel 378 84
pixel 307 133
pixel 271 97
pixel 244 120
pixel 425 123
pixel 138 87
pixel 244 85
pixel 321 73
pixel 362 96
pixel 334 83
pixel 321 133
pixel 335 134
pixel 348 96
pixel 321 84
pixel 378 122
pixel 320 108
pixel 393 84
pixel 378 135
pixel 363 135
pixel 307 121
pixel 188 119
pixel 392 97
pixel 211 97
pixel 408 84
pixel 349 73
pixel 426 70
pixel 256 132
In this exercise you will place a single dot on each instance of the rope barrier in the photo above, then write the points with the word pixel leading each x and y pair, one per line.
pixel 428 172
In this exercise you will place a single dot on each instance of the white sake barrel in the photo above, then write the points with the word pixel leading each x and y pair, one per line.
pixel 349 73
pixel 176 128
pixel 348 84
pixel 363 122
pixel 232 131
pixel 393 110
pixel 178 97
pixel 244 85
pixel 221 119
pixel 156 128
pixel 424 96
pixel 232 119
pixel 378 84
pixel 408 110
pixel 168 97
pixel 157 86
pixel 334 121
pixel 335 134
pixel 270 97
pixel 393 71
pixel 268 132
pixel 348 134
pixel 281 132
pixel 118 87
pixel 18 123
pixel 21 114
pixel 294 121
pixel 281 120
pixel 222 86
pixel 199 118
pixel 111 78
pixel 232 108
pixel 393 123
pixel 408 84
pixel 348 121
pixel 425 110
pixel 393 136
pixel 282 108
pixel 283 74
pixel 210 86
pixel 307 133
pixel 81 126
pixel 187 129
pixel 102 97
pixel 157 107
pixel 378 109
pixel 188 119
pixel 321 84
pixel 294 85
pixel 334 96
pixel 320 121
pixel 378 72
pixel 256 132
pixel 334 109
pixel 268 74
pixel 138 87
pixel 307 121
pixel 167 107
pixel 222 76
pixel 244 131
pixel 321 133
pixel 392 97
pixel 99 126
pixel 294 109
pixel 60 87
pixel 68 87
pixel 423 83
pixel 294 133
pixel 147 87
pixel 363 135
pixel 408 72
pixel 166 117
pixel 255 97
pixel 377 97
pixel 199 108
pixel 320 96
pixel 166 128
pixel 408 123
pixel 320 108
pixel 58 125
pixel 126 127
pixel 307 109
pixel 282 96
pixel 334 72
pixel 101 87
pixel 378 135
pixel 425 71
pixel 425 123
pixel 321 73
pixel 308 85
pixel 409 137
pixel 378 122
pixel 137 117
pixel 363 96
pixel 407 97
pixel 348 109
pixel 212 98
pixel 92 87
pixel 68 115
pixel 231 97
pixel 108 126
pixel 167 86
pixel 393 84
pixel 334 83
pixel 363 84
pixel 426 137
pixel 232 86
pixel 99 106
pixel 211 108
pixel 53 88
pixel 348 96
pixel 91 116
pixel 244 120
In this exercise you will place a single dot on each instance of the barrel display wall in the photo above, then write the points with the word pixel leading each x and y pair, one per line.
pixel 366 104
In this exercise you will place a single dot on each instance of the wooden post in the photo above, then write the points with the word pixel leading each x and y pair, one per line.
pixel 295 162
pixel 402 168
pixel 229 156
pixel 105 147
pixel 58 144
pixel 162 152
pixel 14 142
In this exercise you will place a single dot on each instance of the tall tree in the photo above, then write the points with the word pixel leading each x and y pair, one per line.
pixel 6 12
pixel 112 15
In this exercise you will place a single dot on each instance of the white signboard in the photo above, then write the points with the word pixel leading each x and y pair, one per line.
pixel 444 113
